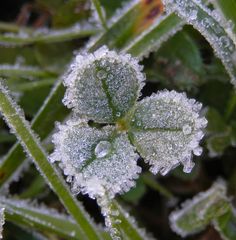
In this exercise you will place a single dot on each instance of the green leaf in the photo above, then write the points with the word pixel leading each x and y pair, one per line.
pixel 166 128
pixel 197 213
pixel 16 121
pixel 103 86
pixel 151 182
pixel 96 161
pixel 36 187
pixel 217 143
pixel 99 12
pixel 211 27
pixel 40 218
pixel 43 123
pixel 152 38
pixel 126 224
pixel 216 121
pixel 228 9
pixel 182 47
pixel 47 36
pixel 15 232
pixel 23 71
pixel 226 225
pixel 135 193
pixel 127 23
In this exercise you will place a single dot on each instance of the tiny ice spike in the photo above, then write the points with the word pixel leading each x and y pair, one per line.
pixel 165 129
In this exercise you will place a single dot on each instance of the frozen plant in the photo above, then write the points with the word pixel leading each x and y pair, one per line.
pixel 195 214
pixel 100 158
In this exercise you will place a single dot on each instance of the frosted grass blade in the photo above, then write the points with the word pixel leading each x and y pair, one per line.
pixel 127 23
pixel 43 124
pixel 23 71
pixel 46 35
pixel 40 218
pixel 99 13
pixel 228 9
pixel 197 213
pixel 14 117
pixel 152 38
pixel 212 27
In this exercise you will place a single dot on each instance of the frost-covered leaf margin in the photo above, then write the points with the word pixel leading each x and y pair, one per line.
pixel 166 128
pixel 211 26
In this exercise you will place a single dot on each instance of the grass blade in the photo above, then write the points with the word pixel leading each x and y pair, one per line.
pixel 42 123
pixel 151 39
pixel 40 218
pixel 211 27
pixel 25 71
pixel 127 24
pixel 99 11
pixel 16 121
pixel 228 9
pixel 47 36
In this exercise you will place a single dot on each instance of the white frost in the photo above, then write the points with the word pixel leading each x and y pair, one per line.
pixel 96 161
pixel 166 129
pixel 103 86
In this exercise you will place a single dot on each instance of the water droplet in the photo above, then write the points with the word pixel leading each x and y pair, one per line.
pixel 118 114
pixel 197 151
pixel 224 41
pixel 101 74
pixel 193 14
pixel 187 129
pixel 102 149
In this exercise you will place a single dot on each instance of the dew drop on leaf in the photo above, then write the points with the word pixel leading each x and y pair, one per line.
pixel 102 149
pixel 97 161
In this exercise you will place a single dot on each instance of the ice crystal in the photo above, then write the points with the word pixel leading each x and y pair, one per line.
pixel 195 214
pixel 97 161
pixel 166 129
pixel 103 86
pixel 2 220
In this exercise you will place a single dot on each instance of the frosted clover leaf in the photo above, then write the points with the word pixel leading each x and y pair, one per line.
pixel 96 160
pixel 103 86
pixel 165 129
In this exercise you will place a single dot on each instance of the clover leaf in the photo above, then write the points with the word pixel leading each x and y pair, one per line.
pixel 104 86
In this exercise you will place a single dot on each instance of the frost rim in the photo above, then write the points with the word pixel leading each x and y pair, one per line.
pixel 193 147
pixel 82 62
pixel 93 186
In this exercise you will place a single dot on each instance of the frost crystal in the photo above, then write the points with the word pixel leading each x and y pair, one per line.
pixel 96 161
pixel 2 220
pixel 103 86
pixel 166 129
pixel 195 214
